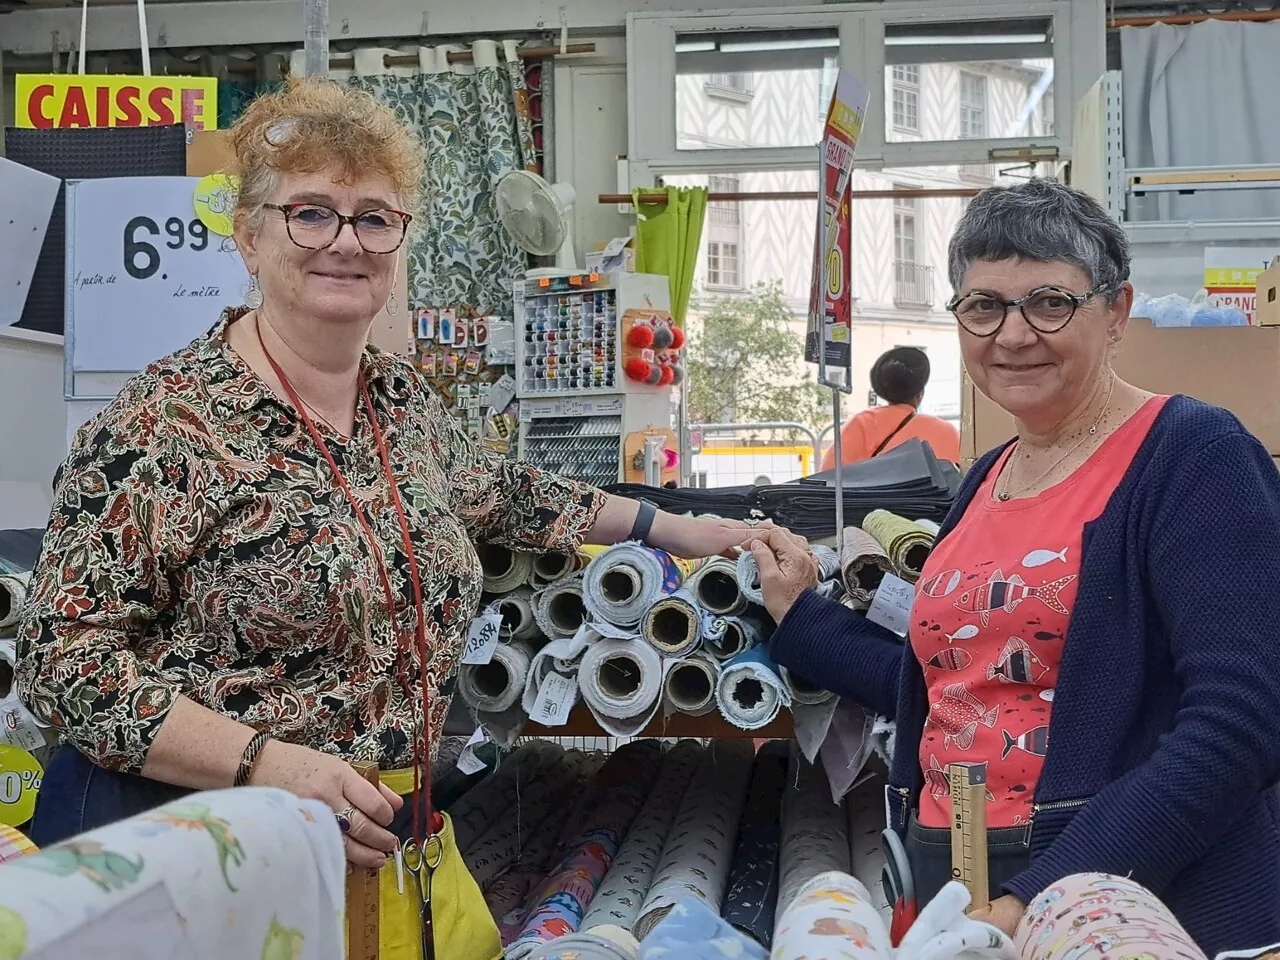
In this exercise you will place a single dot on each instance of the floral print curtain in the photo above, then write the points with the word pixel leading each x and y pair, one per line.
pixel 476 123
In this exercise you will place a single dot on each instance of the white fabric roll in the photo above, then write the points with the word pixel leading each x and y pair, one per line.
pixel 750 692
pixel 690 686
pixel 621 682
pixel 832 902
pixel 499 684
pixel 673 625
pixel 504 569
pixel 563 656
pixel 828 562
pixel 622 583
pixel 560 610
pixel 13 596
pixel 518 620
pixel 828 573
pixel 716 588
pixel 749 578
pixel 550 567
pixel 248 872
pixel 726 637
pixel 801 690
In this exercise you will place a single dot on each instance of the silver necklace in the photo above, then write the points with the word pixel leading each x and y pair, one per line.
pixel 1004 495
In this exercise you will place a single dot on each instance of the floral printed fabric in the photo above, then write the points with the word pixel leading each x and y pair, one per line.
pixel 200 546
pixel 234 873
pixel 467 118
pixel 558 905
pixel 622 893
pixel 1094 915
pixel 832 917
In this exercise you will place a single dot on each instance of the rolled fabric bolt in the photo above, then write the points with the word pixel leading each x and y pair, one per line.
pixel 504 569
pixel 749 578
pixel 550 567
pixel 928 526
pixel 815 831
pixel 623 582
pixel 13 596
pixel 865 564
pixel 561 609
pixel 691 685
pixel 801 690
pixel 726 637
pixel 716 588
pixel 832 902
pixel 499 684
pixel 828 562
pixel 518 621
pixel 621 682
pixel 672 625
pixel 906 543
pixel 750 693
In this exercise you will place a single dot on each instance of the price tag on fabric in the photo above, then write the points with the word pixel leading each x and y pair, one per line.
pixel 482 639
pixel 891 606
pixel 468 762
pixel 555 700
pixel 20 779
pixel 145 274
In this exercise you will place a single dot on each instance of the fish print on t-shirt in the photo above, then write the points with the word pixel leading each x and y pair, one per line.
pixel 989 623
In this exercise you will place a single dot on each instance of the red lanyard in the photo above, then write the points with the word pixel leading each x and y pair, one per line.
pixel 422 813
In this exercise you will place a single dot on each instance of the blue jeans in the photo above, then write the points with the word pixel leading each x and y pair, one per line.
pixel 78 795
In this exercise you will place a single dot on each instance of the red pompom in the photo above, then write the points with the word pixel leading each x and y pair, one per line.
pixel 668 377
pixel 638 370
pixel 640 337
pixel 677 338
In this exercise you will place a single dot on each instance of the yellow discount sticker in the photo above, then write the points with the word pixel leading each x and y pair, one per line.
pixel 215 202
pixel 20 779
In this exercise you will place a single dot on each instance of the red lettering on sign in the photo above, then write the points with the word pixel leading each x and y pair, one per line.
pixel 103 96
pixel 158 100
pixel 127 99
pixel 193 108
pixel 75 111
pixel 35 106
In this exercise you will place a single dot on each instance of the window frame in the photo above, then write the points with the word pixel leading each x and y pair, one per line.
pixel 719 284
pixel 908 88
pixel 983 82
pixel 1078 56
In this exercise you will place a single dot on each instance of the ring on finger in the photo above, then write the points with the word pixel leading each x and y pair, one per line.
pixel 343 817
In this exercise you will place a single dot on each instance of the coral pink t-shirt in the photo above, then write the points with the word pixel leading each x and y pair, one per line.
pixel 989 621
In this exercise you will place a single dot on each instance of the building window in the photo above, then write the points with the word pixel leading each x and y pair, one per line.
pixel 913 281
pixel 973 106
pixel 906 98
pixel 722 212
pixel 737 87
pixel 723 269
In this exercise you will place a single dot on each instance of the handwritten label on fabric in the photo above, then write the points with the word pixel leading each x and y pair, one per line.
pixel 468 762
pixel 482 639
pixel 555 700
pixel 891 606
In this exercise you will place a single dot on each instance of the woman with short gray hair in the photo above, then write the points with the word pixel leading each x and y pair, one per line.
pixel 1095 629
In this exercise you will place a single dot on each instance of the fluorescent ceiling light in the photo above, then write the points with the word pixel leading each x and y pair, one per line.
pixel 697 46
pixel 925 41
pixel 765 46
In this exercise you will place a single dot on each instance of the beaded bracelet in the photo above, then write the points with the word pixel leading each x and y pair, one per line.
pixel 250 757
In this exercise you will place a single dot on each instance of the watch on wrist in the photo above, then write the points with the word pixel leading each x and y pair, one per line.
pixel 644 521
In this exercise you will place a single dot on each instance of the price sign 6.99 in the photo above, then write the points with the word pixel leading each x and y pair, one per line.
pixel 144 275
pixel 142 259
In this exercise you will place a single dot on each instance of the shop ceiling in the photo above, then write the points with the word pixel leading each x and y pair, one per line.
pixel 32 27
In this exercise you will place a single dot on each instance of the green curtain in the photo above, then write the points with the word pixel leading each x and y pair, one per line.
pixel 668 236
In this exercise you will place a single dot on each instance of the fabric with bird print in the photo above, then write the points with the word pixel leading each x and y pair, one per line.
pixel 989 627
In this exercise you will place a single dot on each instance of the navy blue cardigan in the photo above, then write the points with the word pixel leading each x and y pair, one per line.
pixel 1164 741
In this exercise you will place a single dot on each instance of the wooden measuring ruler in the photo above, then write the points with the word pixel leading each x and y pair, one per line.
pixel 362 897
pixel 969 829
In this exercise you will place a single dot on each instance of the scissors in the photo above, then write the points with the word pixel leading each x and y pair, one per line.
pixel 421 865
pixel 899 885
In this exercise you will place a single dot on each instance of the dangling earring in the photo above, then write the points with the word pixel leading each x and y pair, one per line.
pixel 253 298
pixel 393 305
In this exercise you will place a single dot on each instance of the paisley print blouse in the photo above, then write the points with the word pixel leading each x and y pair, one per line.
pixel 199 545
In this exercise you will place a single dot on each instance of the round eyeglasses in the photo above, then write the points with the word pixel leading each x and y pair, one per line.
pixel 313 226
pixel 1046 309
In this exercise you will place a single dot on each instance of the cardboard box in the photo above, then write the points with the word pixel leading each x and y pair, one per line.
pixel 208 151
pixel 1232 367
pixel 1267 311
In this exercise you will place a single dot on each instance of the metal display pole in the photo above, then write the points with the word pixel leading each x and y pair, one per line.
pixel 315 42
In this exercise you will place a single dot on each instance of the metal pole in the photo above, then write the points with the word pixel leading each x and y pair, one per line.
pixel 315 38
pixel 835 415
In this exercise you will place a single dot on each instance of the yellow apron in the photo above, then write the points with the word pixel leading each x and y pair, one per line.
pixel 464 928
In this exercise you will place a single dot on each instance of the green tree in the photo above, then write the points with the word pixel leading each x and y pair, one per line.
pixel 745 363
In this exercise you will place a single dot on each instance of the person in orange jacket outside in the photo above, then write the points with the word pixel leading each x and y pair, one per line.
pixel 899 376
